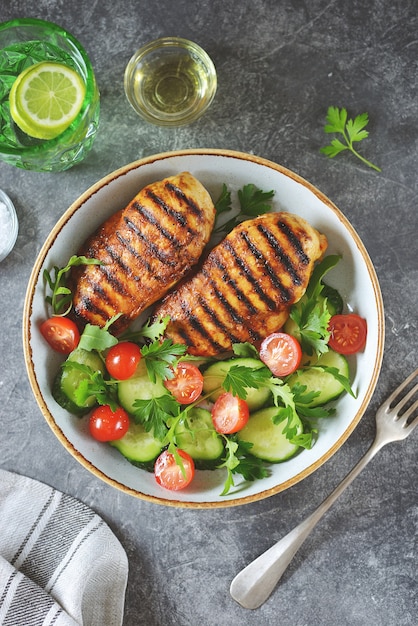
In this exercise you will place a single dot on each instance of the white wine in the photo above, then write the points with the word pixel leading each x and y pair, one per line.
pixel 171 83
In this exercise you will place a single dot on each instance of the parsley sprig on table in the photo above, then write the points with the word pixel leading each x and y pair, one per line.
pixel 352 131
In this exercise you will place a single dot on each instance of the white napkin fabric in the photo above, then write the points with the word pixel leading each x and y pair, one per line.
pixel 60 564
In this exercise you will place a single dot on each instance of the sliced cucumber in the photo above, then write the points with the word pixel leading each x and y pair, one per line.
pixel 67 381
pixel 139 387
pixel 138 445
pixel 317 379
pixel 197 436
pixel 269 442
pixel 214 376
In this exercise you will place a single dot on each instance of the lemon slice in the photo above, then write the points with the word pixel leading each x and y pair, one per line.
pixel 45 98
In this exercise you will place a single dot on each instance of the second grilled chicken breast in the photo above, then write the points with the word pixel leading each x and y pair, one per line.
pixel 246 286
pixel 145 249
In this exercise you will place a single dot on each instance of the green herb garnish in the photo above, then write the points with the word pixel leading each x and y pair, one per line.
pixel 61 298
pixel 252 200
pixel 351 130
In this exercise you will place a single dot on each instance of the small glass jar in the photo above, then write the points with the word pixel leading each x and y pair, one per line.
pixel 170 81
pixel 8 225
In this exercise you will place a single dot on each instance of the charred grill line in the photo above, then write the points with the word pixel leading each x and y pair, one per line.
pixel 178 217
pixel 285 295
pixel 231 284
pixel 194 208
pixel 216 321
pixel 155 222
pixel 249 276
pixel 294 241
pixel 116 258
pixel 281 255
pixel 197 327
pixel 153 249
pixel 235 316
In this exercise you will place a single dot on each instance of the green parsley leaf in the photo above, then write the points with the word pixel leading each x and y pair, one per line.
pixel 253 202
pixel 245 350
pixel 92 385
pixel 351 131
pixel 150 330
pixel 61 298
pixel 240 377
pixel 161 358
pixel 154 414
pixel 238 460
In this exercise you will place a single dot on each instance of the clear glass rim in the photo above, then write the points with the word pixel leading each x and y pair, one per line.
pixel 14 228
pixel 90 85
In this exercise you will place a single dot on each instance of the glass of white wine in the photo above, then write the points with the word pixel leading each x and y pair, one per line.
pixel 170 81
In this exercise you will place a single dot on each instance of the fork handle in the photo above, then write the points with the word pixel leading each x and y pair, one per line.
pixel 254 584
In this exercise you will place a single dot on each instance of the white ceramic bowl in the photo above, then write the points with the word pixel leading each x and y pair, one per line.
pixel 354 277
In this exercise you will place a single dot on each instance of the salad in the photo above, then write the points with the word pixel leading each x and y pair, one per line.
pixel 173 414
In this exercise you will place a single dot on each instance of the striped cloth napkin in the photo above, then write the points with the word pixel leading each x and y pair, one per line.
pixel 60 564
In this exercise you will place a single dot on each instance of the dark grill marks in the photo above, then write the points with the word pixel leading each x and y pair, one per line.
pixel 277 284
pixel 152 248
pixel 232 285
pixel 294 241
pixel 192 207
pixel 281 255
pixel 151 219
pixel 216 321
pixel 178 217
pixel 271 304
pixel 197 327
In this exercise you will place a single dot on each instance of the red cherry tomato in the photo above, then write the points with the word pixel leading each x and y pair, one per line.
pixel 108 425
pixel 229 414
pixel 168 473
pixel 122 360
pixel 348 333
pixel 187 384
pixel 61 333
pixel 281 353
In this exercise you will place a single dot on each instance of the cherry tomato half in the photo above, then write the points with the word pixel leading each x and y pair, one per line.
pixel 229 414
pixel 122 360
pixel 187 384
pixel 281 353
pixel 168 473
pixel 108 425
pixel 61 333
pixel 348 333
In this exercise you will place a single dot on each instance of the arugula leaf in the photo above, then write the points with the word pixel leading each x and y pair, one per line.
pixel 351 131
pixel 253 202
pixel 161 357
pixel 61 298
pixel 96 338
pixel 154 414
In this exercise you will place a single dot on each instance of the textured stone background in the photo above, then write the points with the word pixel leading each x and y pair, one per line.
pixel 280 64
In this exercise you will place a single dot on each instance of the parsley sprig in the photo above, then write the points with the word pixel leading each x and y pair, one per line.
pixel 252 203
pixel 352 131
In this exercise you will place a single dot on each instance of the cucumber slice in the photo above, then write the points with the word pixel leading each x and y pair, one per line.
pixel 317 379
pixel 67 381
pixel 138 445
pixel 139 387
pixel 198 437
pixel 269 442
pixel 214 376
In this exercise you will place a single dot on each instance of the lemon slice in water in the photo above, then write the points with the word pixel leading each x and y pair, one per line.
pixel 45 98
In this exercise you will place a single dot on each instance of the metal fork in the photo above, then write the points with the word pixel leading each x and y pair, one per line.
pixel 395 420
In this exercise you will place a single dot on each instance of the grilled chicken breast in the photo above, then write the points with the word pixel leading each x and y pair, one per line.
pixel 246 286
pixel 144 249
